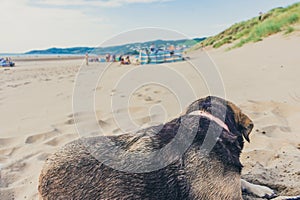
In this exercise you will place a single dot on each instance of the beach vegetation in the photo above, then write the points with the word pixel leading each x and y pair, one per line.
pixel 256 29
pixel 289 30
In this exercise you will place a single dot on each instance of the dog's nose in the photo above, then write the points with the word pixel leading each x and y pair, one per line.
pixel 247 132
pixel 250 127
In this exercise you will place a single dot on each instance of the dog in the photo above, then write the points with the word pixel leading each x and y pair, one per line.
pixel 245 128
pixel 199 172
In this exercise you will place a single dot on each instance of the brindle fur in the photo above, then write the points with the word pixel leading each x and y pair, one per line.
pixel 74 173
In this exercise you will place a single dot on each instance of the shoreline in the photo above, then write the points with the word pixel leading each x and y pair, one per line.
pixel 46 58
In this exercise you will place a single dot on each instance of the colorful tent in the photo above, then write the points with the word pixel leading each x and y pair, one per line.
pixel 160 56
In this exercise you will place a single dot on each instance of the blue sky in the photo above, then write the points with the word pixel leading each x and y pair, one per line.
pixel 40 24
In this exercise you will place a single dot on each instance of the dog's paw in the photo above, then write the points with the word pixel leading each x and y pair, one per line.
pixel 263 191
pixel 287 198
pixel 258 190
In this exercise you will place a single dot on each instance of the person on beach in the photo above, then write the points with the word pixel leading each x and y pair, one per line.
pixel 128 60
pixel 122 61
pixel 152 48
pixel 108 57
pixel 172 50
pixel 260 18
pixel 125 61
pixel 114 58
pixel 120 58
pixel 87 59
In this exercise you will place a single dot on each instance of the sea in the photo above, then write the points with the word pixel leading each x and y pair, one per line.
pixel 22 55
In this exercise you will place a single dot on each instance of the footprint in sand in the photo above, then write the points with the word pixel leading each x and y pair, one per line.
pixel 272 128
pixel 42 137
pixel 17 166
pixel 11 173
pixel 43 156
pixel 9 147
pixel 7 141
pixel 14 85
pixel 148 99
pixel 60 94
pixel 7 194
pixel 70 122
pixel 117 131
pixel 62 139
pixel 143 120
pixel 103 123
pixel 137 94
pixel 99 88
pixel 271 115
pixel 285 129
pixel 151 100
pixel 71 115
pixel 7 152
pixel 295 96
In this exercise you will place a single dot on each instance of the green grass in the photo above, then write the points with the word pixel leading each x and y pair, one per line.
pixel 254 30
pixel 226 40
pixel 266 29
pixel 289 30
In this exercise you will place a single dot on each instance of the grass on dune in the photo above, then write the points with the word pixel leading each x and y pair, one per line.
pixel 255 29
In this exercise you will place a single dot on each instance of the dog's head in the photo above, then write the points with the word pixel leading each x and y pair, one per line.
pixel 236 127
pixel 237 122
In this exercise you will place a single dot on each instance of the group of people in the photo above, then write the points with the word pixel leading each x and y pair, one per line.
pixel 7 62
pixel 154 50
pixel 124 61
pixel 109 58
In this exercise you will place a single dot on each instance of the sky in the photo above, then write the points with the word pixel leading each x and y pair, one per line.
pixel 42 24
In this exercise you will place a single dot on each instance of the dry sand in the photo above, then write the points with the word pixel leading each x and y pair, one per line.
pixel 262 78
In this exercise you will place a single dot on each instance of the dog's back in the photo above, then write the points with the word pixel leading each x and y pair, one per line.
pixel 75 172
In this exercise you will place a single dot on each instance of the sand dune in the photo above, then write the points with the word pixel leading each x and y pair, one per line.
pixel 262 78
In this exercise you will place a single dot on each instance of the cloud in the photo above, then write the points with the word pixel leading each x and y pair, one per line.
pixel 98 3
pixel 29 27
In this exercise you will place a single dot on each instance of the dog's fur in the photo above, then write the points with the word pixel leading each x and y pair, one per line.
pixel 74 173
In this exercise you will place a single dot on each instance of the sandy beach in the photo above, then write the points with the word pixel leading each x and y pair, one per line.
pixel 262 78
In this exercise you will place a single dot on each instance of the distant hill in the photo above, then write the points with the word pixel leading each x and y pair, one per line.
pixel 257 28
pixel 130 49
pixel 75 50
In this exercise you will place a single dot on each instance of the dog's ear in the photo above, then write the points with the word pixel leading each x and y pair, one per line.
pixel 196 105
pixel 244 123
pixel 201 104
